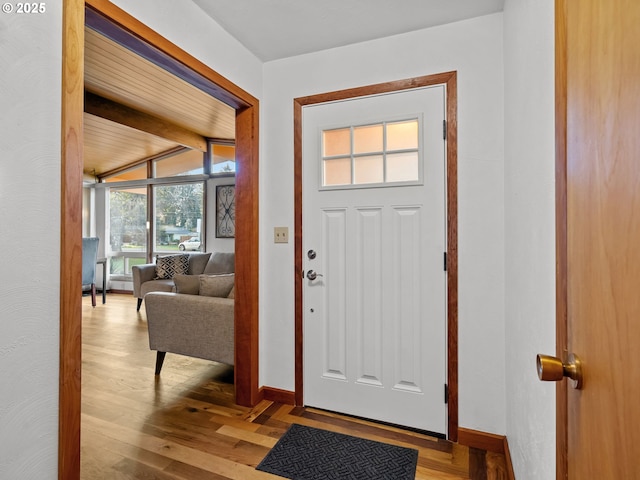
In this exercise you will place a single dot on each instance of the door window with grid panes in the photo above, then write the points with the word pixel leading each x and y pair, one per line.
pixel 378 154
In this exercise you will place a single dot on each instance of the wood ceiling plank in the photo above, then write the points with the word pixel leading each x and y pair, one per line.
pixel 116 73
pixel 109 145
pixel 104 108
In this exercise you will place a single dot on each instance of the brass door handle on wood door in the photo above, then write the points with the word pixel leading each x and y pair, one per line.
pixel 551 369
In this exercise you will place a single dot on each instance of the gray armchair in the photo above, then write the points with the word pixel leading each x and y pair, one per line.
pixel 89 259
pixel 192 325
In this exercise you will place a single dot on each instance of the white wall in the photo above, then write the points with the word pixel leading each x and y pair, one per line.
pixel 30 86
pixel 473 48
pixel 529 233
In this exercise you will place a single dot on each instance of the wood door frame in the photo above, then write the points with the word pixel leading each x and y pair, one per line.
pixel 561 232
pixel 450 80
pixel 246 244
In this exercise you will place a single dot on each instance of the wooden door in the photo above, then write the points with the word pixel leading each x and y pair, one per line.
pixel 599 82
pixel 375 217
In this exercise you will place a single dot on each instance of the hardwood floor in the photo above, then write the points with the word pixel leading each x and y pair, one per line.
pixel 184 424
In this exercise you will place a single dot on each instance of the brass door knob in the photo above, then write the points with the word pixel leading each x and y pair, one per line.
pixel 551 369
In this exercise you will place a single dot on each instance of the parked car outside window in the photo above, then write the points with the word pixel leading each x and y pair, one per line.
pixel 192 244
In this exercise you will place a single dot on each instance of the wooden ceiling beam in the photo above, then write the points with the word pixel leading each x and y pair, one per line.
pixel 116 112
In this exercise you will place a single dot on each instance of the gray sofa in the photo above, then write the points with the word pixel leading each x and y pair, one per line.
pixel 145 277
pixel 199 323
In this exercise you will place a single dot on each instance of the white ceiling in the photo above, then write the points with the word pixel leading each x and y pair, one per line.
pixel 274 29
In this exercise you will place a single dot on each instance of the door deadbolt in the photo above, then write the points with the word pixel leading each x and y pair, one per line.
pixel 311 254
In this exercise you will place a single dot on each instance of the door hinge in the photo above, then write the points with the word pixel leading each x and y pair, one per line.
pixel 445 261
pixel 446 393
pixel 444 129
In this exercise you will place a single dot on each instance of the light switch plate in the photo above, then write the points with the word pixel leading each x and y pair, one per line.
pixel 281 234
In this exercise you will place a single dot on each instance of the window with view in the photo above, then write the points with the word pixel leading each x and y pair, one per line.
pixel 223 159
pixel 178 217
pixel 127 229
pixel 187 162
pixel 158 206
pixel 138 172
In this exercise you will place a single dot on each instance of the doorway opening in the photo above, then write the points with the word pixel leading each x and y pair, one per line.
pixel 157 49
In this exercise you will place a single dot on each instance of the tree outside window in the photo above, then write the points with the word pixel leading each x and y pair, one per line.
pixel 178 215
pixel 127 226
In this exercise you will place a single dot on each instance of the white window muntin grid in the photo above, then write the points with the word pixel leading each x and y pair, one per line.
pixel 352 156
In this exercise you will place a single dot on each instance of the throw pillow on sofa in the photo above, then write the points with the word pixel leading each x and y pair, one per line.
pixel 198 262
pixel 171 265
pixel 188 284
pixel 216 285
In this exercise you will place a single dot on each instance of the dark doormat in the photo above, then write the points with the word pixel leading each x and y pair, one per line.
pixel 307 453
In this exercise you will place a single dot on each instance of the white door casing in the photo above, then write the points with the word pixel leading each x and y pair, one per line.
pixel 375 321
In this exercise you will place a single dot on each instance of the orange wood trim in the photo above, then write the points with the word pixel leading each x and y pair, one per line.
pixel 279 396
pixel 71 240
pixel 452 253
pixel 482 440
pixel 561 232
pixel 297 199
pixel 450 80
pixel 246 246
pixel 379 88
pixel 507 457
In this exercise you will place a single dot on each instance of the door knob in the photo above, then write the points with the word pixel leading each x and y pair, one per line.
pixel 551 369
pixel 312 275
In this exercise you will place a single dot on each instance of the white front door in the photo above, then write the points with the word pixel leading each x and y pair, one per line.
pixel 374 235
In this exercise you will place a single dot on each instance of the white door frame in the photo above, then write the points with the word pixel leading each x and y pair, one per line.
pixel 450 80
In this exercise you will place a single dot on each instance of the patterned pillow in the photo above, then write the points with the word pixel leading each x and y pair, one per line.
pixel 171 265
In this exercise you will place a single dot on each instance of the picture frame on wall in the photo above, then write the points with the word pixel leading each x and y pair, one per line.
pixel 225 211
